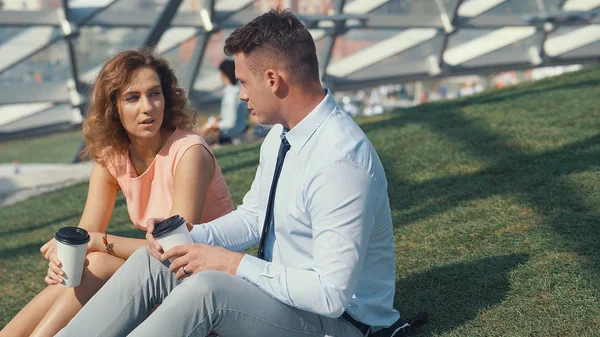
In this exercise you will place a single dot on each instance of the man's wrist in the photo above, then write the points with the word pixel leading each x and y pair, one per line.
pixel 236 259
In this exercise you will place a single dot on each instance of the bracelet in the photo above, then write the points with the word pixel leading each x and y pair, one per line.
pixel 108 246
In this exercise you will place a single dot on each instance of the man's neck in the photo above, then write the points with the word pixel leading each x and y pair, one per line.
pixel 301 101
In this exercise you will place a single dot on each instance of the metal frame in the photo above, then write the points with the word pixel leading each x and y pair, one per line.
pixel 169 28
pixel 466 15
pixel 162 23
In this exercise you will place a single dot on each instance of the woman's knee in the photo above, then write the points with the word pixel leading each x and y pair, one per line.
pixel 103 265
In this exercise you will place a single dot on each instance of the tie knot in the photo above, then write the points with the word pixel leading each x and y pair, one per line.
pixel 283 148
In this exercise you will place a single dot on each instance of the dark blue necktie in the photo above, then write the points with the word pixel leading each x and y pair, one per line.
pixel 283 149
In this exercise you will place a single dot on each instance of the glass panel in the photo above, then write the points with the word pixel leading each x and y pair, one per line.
pixel 29 5
pixel 409 7
pixel 27 116
pixel 449 5
pixel 312 7
pixel 514 53
pixel 95 45
pixel 321 44
pixel 466 35
pixel 407 62
pixel 358 39
pixel 561 31
pixel 7 33
pixel 584 51
pixel 196 5
pixel 190 6
pixel 591 50
pixel 552 5
pixel 297 6
pixel 522 7
pixel 156 5
pixel 213 56
pixel 52 64
pixel 179 58
pixel 419 52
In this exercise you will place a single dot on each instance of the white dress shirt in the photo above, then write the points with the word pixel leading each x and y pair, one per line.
pixel 332 249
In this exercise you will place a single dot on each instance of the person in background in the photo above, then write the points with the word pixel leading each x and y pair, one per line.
pixel 233 120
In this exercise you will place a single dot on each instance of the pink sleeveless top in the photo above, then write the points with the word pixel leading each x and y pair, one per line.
pixel 150 195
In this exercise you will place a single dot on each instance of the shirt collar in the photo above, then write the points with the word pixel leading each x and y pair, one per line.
pixel 301 133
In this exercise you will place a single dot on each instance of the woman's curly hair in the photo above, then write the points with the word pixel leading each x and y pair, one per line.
pixel 103 132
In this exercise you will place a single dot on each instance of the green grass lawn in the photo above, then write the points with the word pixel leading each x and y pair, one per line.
pixel 495 201
pixel 57 148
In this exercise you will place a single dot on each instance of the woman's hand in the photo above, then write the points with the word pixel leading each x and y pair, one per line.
pixel 49 249
pixel 54 274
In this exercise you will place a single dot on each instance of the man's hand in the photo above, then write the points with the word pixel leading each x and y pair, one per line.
pixel 199 257
pixel 152 244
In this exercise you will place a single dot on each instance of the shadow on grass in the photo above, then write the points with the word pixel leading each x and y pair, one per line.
pixel 455 294
pixel 120 201
pixel 20 251
pixel 30 228
pixel 537 179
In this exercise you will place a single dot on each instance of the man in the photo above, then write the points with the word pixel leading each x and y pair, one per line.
pixel 233 121
pixel 318 207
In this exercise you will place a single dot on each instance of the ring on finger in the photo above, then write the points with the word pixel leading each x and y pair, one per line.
pixel 185 271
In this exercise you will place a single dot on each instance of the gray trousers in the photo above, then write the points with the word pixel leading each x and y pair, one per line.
pixel 204 302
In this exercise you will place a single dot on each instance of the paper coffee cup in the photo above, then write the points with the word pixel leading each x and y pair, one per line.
pixel 71 248
pixel 172 232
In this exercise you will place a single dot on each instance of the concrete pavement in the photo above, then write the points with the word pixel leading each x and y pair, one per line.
pixel 18 184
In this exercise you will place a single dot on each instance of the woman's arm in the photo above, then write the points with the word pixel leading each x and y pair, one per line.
pixel 102 194
pixel 193 174
pixel 99 206
pixel 100 202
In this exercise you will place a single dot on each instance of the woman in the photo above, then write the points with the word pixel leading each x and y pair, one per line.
pixel 136 133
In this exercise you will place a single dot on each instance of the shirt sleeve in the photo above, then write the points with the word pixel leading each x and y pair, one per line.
pixel 237 230
pixel 341 200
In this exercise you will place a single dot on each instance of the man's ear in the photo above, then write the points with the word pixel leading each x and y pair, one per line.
pixel 273 79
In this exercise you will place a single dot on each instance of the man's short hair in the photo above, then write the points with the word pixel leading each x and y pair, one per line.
pixel 277 36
